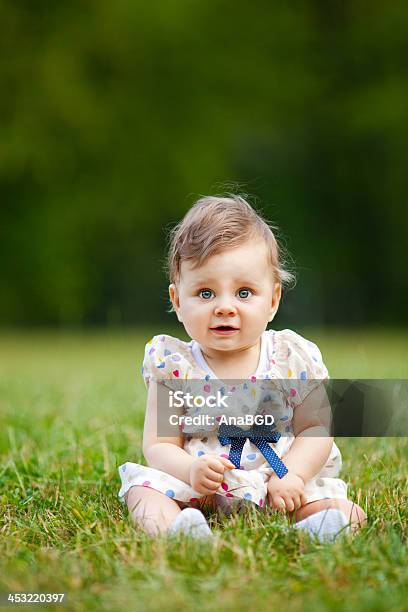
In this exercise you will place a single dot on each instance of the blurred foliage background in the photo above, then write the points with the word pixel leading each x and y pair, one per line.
pixel 116 116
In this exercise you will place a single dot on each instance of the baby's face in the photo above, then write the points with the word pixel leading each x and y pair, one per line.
pixel 226 303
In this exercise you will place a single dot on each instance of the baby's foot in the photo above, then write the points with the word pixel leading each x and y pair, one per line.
pixel 191 522
pixel 326 525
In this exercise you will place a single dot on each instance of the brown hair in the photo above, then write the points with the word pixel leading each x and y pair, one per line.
pixel 217 223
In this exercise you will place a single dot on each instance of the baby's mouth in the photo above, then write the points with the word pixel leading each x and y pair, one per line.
pixel 224 329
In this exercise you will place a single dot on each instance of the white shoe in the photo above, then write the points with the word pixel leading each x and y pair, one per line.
pixel 191 522
pixel 326 525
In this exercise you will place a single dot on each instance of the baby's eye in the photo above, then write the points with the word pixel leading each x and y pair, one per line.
pixel 205 294
pixel 244 293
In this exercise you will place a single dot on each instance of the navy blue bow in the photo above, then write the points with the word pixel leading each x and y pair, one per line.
pixel 260 436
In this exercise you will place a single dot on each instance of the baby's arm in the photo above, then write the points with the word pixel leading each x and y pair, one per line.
pixel 167 454
pixel 163 453
pixel 308 453
pixel 311 425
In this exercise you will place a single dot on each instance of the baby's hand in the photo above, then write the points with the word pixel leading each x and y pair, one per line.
pixel 286 493
pixel 207 473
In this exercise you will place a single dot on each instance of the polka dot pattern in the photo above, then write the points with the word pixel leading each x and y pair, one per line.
pixel 287 356
pixel 260 436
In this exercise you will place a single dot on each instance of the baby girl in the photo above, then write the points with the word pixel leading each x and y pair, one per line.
pixel 226 275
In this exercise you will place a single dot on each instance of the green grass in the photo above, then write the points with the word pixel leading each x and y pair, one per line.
pixel 72 410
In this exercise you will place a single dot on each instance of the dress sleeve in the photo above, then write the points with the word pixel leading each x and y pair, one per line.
pixel 153 356
pixel 165 360
pixel 304 365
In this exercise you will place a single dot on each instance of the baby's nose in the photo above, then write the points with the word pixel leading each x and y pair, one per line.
pixel 225 308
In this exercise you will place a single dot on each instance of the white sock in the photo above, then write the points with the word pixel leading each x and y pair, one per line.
pixel 191 522
pixel 325 525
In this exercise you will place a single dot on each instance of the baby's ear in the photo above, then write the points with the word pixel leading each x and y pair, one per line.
pixel 276 296
pixel 174 298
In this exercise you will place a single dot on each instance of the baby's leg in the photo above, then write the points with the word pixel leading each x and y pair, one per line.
pixel 355 515
pixel 151 510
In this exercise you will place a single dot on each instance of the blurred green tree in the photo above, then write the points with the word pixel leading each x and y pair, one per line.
pixel 115 116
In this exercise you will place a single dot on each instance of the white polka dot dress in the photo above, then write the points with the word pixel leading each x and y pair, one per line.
pixel 287 358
